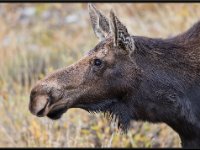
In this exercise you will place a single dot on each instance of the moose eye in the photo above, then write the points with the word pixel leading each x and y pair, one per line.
pixel 97 62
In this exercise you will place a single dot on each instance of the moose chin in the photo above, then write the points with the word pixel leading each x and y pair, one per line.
pixel 130 78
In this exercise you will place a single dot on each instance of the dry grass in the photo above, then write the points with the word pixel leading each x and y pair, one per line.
pixel 39 38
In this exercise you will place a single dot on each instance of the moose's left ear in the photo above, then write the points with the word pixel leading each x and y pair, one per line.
pixel 121 36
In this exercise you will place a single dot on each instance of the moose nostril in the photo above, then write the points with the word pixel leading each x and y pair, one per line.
pixel 49 100
pixel 39 104
pixel 32 95
pixel 42 97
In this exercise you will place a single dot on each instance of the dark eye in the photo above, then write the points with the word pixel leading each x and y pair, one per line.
pixel 97 62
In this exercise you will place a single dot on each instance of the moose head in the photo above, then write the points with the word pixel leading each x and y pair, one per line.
pixel 100 81
pixel 129 78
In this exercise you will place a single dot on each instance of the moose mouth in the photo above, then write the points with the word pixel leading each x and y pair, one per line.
pixel 56 112
pixel 109 107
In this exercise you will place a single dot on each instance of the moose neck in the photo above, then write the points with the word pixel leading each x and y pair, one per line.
pixel 162 95
pixel 161 109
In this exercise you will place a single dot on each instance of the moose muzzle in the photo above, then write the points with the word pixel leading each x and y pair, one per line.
pixel 43 98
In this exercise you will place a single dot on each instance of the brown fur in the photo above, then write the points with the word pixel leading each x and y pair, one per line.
pixel 140 78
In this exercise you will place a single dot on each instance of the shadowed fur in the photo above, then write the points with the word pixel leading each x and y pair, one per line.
pixel 130 78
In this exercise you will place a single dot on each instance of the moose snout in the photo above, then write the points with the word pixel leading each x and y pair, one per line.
pixel 41 98
pixel 38 105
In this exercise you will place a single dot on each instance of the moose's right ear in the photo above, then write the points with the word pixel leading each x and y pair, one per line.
pixel 100 23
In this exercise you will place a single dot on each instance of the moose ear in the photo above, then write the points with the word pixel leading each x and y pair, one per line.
pixel 100 23
pixel 121 36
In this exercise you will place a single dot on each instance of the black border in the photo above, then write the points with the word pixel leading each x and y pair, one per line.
pixel 99 1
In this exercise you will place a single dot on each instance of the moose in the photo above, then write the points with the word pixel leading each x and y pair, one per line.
pixel 130 78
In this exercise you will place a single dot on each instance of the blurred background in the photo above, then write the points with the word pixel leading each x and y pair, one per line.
pixel 36 39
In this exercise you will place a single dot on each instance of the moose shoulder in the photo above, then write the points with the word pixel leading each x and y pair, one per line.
pixel 130 78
